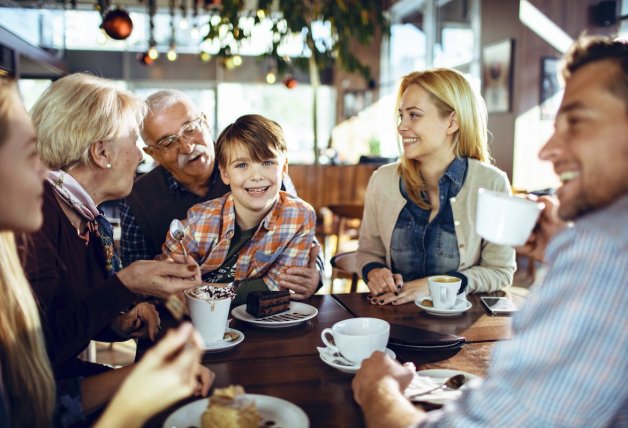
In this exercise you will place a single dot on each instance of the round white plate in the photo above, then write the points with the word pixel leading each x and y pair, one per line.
pixel 442 312
pixel 441 375
pixel 282 412
pixel 327 359
pixel 223 345
pixel 298 313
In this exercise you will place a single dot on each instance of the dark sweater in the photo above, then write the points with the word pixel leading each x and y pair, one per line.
pixel 154 205
pixel 77 302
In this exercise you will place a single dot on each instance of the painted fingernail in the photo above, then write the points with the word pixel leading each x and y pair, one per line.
pixel 191 268
pixel 396 293
pixel 398 286
pixel 381 301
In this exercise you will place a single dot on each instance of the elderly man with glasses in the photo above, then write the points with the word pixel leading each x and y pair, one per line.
pixel 177 137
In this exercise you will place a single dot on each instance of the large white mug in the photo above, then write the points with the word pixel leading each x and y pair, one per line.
pixel 357 338
pixel 209 315
pixel 444 290
pixel 504 219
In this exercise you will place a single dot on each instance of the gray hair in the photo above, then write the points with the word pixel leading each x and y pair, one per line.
pixel 164 99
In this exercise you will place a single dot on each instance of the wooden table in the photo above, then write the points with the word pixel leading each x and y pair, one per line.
pixel 284 363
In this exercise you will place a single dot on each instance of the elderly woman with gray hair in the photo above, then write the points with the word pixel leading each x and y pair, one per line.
pixel 87 130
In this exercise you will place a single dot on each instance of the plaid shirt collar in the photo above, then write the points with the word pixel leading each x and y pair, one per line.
pixel 268 222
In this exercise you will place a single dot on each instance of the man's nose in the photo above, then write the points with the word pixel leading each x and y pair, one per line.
pixel 551 149
pixel 186 146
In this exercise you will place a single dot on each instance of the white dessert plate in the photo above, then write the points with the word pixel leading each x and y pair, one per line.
pixel 455 311
pixel 428 379
pixel 283 413
pixel 298 313
pixel 223 345
pixel 329 360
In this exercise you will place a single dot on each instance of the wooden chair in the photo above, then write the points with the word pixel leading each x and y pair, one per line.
pixel 342 221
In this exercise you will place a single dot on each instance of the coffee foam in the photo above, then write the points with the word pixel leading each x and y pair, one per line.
pixel 209 292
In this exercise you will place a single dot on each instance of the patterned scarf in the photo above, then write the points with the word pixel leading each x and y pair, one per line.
pixel 75 195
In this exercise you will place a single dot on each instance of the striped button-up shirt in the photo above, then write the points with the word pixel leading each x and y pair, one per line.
pixel 568 361
pixel 283 238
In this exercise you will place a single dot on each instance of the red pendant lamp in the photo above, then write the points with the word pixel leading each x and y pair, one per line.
pixel 117 24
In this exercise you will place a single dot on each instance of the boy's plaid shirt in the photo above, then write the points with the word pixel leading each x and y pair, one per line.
pixel 283 238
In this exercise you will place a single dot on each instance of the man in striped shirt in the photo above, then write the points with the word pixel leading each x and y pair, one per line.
pixel 567 362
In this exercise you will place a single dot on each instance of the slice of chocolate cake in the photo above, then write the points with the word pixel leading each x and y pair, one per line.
pixel 265 303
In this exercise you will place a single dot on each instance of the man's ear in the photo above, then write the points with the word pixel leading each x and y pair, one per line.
pixel 153 153
pixel 101 154
pixel 453 123
pixel 223 175
pixel 285 167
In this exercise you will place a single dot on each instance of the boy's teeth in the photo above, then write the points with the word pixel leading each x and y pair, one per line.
pixel 569 175
pixel 257 189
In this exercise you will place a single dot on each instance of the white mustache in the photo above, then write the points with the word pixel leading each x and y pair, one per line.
pixel 183 159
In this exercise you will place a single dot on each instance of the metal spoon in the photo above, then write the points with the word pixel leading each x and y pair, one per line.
pixel 337 358
pixel 177 231
pixel 453 383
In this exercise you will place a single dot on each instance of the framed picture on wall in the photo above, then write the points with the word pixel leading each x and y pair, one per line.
pixel 550 89
pixel 497 71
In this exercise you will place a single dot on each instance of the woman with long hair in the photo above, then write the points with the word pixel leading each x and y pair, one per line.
pixel 419 216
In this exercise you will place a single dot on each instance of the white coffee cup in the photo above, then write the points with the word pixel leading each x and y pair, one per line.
pixel 505 220
pixel 357 338
pixel 209 316
pixel 444 290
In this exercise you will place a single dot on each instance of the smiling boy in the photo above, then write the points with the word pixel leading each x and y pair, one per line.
pixel 256 230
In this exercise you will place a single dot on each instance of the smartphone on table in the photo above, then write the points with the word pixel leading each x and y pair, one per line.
pixel 499 305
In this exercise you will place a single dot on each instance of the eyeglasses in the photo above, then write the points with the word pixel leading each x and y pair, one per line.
pixel 187 130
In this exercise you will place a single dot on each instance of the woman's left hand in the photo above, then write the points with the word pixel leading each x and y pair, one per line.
pixel 141 321
pixel 410 291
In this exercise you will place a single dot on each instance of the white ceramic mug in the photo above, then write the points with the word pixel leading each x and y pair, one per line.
pixel 504 219
pixel 444 290
pixel 357 338
pixel 209 316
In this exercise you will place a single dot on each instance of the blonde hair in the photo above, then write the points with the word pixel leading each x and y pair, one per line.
pixel 26 372
pixel 451 93
pixel 77 111
pixel 261 137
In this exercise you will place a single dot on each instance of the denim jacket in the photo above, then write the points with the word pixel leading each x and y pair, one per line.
pixel 421 248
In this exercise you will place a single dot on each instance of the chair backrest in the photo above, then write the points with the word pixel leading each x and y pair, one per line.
pixel 347 222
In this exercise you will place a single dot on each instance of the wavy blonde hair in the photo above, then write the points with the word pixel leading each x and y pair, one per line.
pixel 25 366
pixel 451 93
pixel 77 111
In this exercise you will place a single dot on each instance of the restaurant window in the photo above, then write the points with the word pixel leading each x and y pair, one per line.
pixel 291 108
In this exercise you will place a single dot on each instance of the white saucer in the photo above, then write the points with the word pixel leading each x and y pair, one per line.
pixel 223 345
pixel 298 313
pixel 327 359
pixel 456 310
